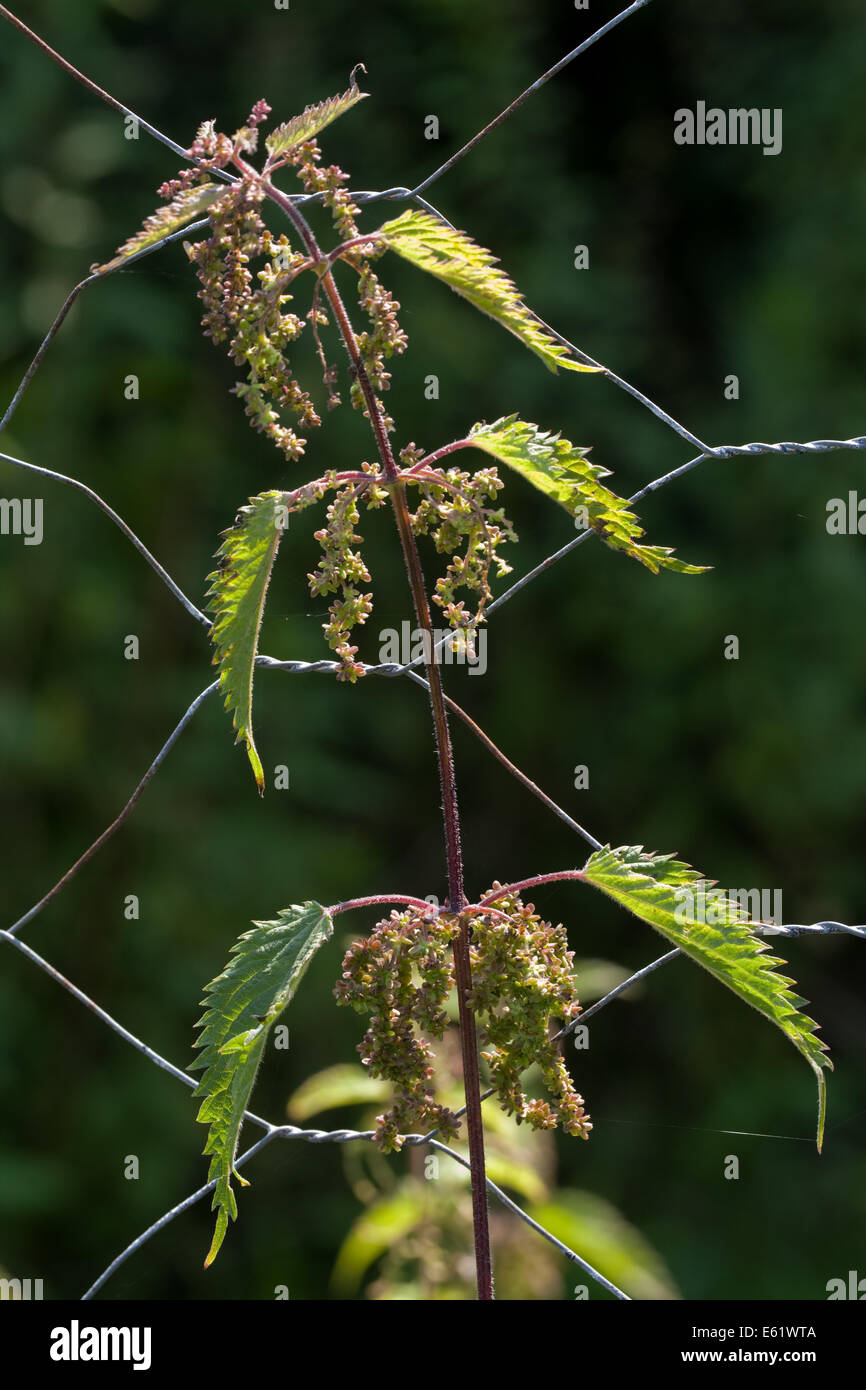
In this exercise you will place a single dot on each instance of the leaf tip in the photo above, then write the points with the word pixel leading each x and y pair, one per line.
pixel 256 765
pixel 822 1109
pixel 218 1237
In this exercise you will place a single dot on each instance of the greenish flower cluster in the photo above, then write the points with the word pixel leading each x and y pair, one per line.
pixel 385 336
pixel 248 310
pixel 342 568
pixel 253 319
pixel 401 975
pixel 452 512
pixel 522 979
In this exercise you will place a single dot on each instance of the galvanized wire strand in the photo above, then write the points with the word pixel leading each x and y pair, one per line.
pixel 314 1136
pixel 524 96
pixel 120 524
pixel 726 451
pixel 119 820
pixel 818 446
pixel 813 929
pixel 100 91
pixel 107 1019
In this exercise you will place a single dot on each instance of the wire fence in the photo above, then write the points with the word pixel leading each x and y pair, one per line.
pixel 10 936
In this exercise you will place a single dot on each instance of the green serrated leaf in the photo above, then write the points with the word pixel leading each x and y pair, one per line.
pixel 237 596
pixel 264 970
pixel 472 271
pixel 311 120
pixel 562 472
pixel 712 928
pixel 186 207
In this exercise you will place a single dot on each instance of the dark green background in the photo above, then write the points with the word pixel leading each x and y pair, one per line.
pixel 704 262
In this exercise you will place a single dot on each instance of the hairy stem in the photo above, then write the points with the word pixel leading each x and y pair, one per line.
pixel 537 881
pixel 453 852
pixel 430 460
pixel 378 900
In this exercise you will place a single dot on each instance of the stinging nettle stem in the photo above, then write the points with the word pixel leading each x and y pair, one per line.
pixel 445 759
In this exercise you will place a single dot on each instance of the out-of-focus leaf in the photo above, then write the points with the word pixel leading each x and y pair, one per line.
pixel 517 1177
pixel 597 1232
pixel 344 1084
pixel 597 978
pixel 375 1231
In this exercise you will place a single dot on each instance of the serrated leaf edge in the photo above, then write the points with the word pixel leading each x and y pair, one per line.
pixel 311 120
pixel 630 859
pixel 220 993
pixel 561 471
pixel 225 605
pixel 473 272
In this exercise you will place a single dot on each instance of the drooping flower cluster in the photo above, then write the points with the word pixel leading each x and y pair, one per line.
pixel 247 310
pixel 253 318
pixel 452 512
pixel 522 979
pixel 385 337
pixel 247 273
pixel 402 975
pixel 341 567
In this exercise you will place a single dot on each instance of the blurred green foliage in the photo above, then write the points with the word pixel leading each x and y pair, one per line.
pixel 703 262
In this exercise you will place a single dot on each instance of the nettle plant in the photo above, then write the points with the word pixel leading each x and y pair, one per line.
pixel 505 972
pixel 261 291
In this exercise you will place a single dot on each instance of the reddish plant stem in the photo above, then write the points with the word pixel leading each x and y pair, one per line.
pixel 561 876
pixel 453 852
pixel 349 246
pixel 350 476
pixel 378 899
pixel 440 454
